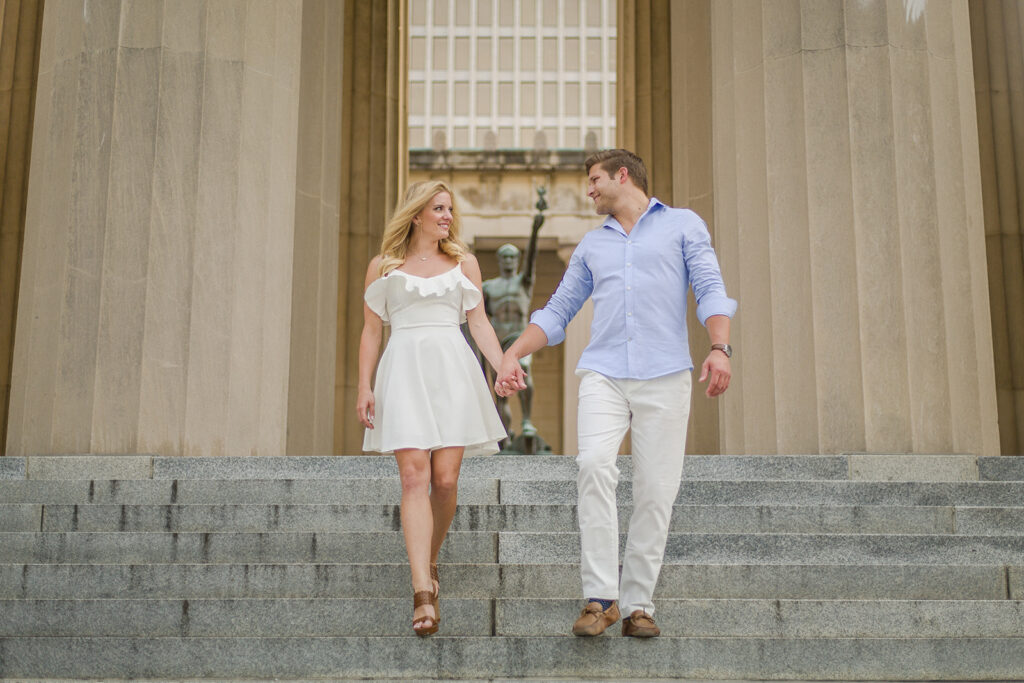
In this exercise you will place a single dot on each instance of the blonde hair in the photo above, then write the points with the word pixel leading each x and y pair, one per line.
pixel 398 232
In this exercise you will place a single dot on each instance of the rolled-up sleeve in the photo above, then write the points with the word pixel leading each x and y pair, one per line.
pixel 705 275
pixel 576 286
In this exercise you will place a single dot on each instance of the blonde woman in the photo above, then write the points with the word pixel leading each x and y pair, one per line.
pixel 430 403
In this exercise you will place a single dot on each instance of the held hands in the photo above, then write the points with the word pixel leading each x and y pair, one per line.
pixel 511 376
pixel 364 408
pixel 719 369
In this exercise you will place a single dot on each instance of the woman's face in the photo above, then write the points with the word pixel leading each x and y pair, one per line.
pixel 434 222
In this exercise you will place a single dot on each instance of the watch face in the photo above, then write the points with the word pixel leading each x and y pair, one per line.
pixel 724 348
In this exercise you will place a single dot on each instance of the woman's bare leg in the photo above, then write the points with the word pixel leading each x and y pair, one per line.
pixel 414 469
pixel 444 490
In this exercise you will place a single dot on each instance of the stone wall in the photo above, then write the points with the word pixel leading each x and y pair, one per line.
pixel 164 223
pixel 20 29
pixel 849 219
pixel 996 31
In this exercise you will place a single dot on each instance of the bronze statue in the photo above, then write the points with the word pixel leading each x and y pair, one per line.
pixel 507 302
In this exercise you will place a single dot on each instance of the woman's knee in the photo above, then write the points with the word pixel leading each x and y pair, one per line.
pixel 444 483
pixel 415 477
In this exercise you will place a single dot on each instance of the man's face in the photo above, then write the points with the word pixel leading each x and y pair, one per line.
pixel 508 261
pixel 603 189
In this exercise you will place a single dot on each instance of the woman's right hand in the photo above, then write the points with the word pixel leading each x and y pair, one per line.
pixel 364 408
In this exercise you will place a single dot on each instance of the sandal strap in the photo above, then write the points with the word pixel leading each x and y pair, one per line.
pixel 433 573
pixel 420 598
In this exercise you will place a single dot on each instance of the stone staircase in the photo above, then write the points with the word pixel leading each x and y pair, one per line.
pixel 853 567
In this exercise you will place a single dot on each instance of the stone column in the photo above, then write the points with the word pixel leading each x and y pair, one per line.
pixel 644 112
pixel 849 220
pixel 664 116
pixel 20 30
pixel 997 36
pixel 163 227
pixel 374 163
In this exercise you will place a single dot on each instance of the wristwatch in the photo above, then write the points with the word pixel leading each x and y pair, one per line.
pixel 724 348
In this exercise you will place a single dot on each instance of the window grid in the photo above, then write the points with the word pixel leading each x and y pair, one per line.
pixel 561 130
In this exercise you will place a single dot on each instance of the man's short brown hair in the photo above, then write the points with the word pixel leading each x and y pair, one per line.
pixel 611 160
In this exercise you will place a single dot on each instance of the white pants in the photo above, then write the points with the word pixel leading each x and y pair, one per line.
pixel 657 410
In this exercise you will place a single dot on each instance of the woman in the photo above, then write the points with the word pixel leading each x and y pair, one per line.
pixel 430 403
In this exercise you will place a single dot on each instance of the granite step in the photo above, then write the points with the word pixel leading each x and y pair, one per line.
pixel 215 547
pixel 678 580
pixel 493 581
pixel 897 567
pixel 558 467
pixel 228 492
pixel 510 492
pixel 721 492
pixel 1001 468
pixel 556 547
pixel 319 617
pixel 609 656
pixel 879 519
pixel 507 547
pixel 759 467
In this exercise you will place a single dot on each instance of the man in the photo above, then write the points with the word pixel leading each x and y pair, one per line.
pixel 635 374
pixel 507 302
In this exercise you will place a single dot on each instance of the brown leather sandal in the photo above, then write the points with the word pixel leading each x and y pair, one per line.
pixel 419 599
pixel 434 576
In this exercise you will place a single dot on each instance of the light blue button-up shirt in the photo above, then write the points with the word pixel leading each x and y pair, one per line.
pixel 638 282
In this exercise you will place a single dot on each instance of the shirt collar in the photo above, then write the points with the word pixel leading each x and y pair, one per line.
pixel 614 224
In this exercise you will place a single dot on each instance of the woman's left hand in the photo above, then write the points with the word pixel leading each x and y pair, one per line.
pixel 364 408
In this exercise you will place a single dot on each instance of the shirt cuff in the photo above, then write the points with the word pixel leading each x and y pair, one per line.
pixel 548 321
pixel 715 305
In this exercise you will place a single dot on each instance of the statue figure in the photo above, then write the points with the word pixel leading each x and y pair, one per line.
pixel 507 302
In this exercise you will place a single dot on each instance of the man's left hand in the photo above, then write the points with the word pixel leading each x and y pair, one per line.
pixel 719 370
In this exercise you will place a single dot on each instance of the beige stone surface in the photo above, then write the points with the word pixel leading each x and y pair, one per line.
pixel 886 394
pixel 88 467
pixel 897 467
pixel 998 69
pixel 20 24
pixel 692 179
pixel 843 178
pixel 369 181
pixel 209 178
pixel 723 180
pixel 837 344
pixel 315 269
pixel 157 306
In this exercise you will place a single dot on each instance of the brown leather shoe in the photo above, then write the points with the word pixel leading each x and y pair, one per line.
pixel 640 624
pixel 593 620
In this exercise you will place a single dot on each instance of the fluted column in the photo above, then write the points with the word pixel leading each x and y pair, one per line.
pixel 644 111
pixel 163 230
pixel 997 30
pixel 20 31
pixel 849 218
pixel 664 115
pixel 373 168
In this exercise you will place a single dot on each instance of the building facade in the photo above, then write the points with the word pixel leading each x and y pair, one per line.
pixel 504 98
pixel 193 189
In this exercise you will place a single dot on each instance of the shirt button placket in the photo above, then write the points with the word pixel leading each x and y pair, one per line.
pixel 628 278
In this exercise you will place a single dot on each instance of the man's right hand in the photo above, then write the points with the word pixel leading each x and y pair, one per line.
pixel 511 375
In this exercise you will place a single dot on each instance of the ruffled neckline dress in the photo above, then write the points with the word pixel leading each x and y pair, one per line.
pixel 430 391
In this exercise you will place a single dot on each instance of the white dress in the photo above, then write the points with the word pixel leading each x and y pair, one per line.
pixel 430 390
